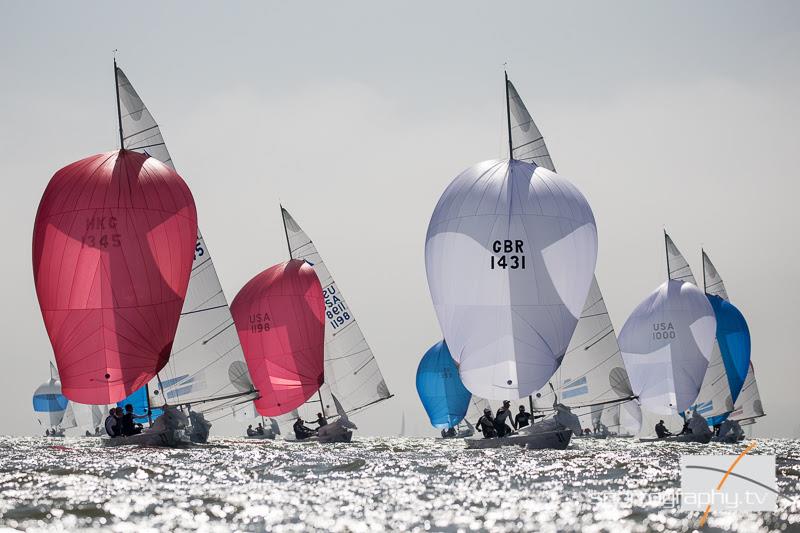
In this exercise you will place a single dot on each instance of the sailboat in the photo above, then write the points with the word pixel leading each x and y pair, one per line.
pixel 353 379
pixel 667 343
pixel 50 405
pixel 440 390
pixel 206 372
pixel 730 359
pixel 592 375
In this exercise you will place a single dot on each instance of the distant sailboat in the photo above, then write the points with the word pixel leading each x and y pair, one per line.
pixel 592 374
pixel 206 368
pixel 730 359
pixel 49 404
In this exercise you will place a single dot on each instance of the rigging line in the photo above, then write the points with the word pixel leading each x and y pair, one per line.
pixel 601 338
pixel 220 333
pixel 206 309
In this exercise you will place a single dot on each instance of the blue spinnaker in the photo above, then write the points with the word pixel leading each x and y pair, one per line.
pixel 138 399
pixel 440 389
pixel 733 337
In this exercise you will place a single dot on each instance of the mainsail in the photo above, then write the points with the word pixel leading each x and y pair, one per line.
pixel 439 387
pixel 206 367
pixel 730 359
pixel 748 405
pixel 351 371
pixel 592 372
pixel 677 266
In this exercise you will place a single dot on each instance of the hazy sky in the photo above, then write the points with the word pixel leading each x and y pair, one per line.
pixel 356 115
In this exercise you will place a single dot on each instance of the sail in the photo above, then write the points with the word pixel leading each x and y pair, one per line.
pixel 730 360
pixel 676 264
pixel 592 372
pixel 48 402
pixel 748 405
pixel 666 345
pixel 143 410
pixel 623 419
pixel 112 253
pixel 439 387
pixel 279 316
pixel 351 370
pixel 527 143
pixel 476 407
pixel 207 365
pixel 711 279
pixel 510 254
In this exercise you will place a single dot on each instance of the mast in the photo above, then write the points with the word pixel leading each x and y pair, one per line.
pixel 119 111
pixel 666 253
pixel 508 120
pixel 149 411
pixel 703 260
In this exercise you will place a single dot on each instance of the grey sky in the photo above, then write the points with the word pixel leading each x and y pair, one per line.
pixel 356 115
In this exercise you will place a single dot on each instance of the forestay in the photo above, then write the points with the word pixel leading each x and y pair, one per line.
pixel 509 254
pixel 351 370
pixel 206 367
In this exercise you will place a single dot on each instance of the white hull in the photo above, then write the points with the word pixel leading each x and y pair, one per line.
pixel 701 439
pixel 546 440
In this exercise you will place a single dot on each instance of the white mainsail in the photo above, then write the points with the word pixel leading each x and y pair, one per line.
pixel 206 367
pixel 351 370
pixel 748 405
pixel 677 266
pixel 592 371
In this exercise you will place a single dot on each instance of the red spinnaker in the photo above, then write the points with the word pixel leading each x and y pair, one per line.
pixel 113 245
pixel 280 317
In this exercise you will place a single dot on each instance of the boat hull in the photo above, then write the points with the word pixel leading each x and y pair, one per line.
pixel 163 438
pixel 546 440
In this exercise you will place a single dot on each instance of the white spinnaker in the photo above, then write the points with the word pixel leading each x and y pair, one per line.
pixel 206 367
pixel 509 254
pixel 592 372
pixel 351 370
pixel 585 375
pixel 677 265
pixel 666 345
pixel 748 405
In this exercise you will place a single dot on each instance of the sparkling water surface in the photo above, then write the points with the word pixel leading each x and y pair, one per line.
pixel 402 484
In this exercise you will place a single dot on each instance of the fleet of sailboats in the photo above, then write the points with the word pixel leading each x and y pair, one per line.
pixel 136 313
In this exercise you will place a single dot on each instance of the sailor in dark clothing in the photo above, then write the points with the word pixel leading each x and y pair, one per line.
pixel 129 426
pixel 503 414
pixel 522 419
pixel 661 430
pixel 321 420
pixel 260 429
pixel 250 431
pixel 485 424
pixel 685 429
pixel 301 432
pixel 112 423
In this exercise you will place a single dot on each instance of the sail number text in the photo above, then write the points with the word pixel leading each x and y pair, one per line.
pixel 260 322
pixel 508 254
pixel 663 330
pixel 335 309
pixel 100 233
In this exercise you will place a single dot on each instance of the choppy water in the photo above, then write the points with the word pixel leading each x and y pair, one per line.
pixel 372 484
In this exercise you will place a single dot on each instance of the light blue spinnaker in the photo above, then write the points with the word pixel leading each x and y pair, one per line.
pixel 440 389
